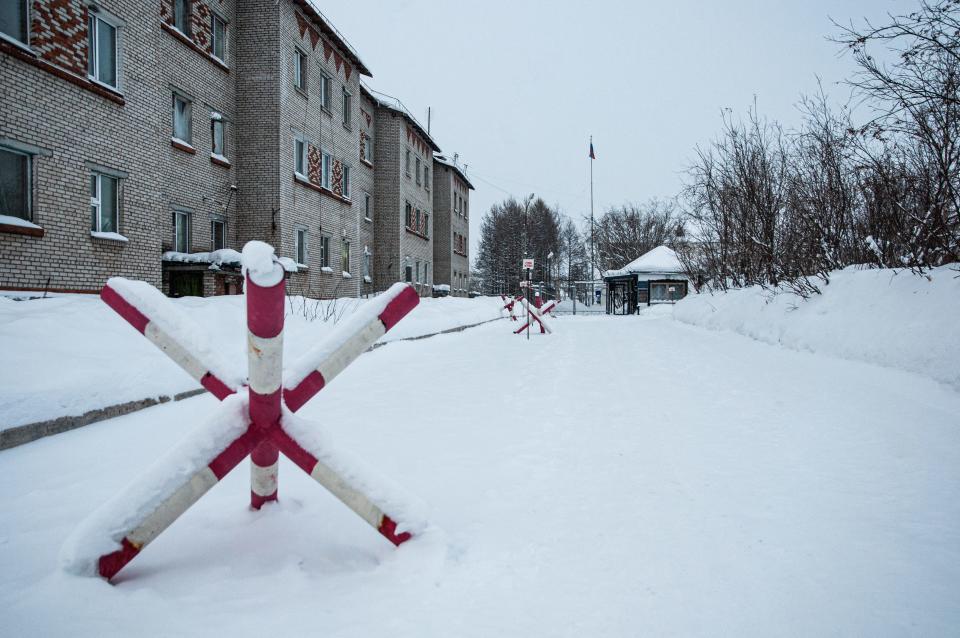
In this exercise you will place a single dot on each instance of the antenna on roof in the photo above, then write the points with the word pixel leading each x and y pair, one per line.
pixel 428 120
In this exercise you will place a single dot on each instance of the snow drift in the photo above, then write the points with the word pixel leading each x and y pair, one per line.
pixel 890 318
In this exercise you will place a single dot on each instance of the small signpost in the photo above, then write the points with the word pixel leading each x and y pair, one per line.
pixel 527 266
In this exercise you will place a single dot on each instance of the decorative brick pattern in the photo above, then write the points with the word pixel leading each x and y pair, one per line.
pixel 314 165
pixel 58 32
pixel 336 178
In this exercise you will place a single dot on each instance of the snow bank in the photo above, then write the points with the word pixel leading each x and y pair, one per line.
pixel 890 318
pixel 68 354
pixel 261 264
pixel 103 531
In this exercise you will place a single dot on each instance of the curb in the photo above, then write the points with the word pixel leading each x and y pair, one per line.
pixel 29 432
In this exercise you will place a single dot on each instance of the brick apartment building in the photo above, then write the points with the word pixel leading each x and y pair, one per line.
pixel 451 210
pixel 147 138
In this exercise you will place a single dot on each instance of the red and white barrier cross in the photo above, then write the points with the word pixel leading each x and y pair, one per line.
pixel 251 420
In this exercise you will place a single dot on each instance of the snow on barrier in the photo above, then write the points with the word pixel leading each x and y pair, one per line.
pixel 537 315
pixel 256 420
pixel 509 304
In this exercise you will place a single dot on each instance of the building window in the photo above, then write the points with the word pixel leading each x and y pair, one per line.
pixel 216 135
pixel 219 44
pixel 101 50
pixel 418 171
pixel 181 16
pixel 300 156
pixel 367 207
pixel 416 221
pixel 465 209
pixel 104 204
pixel 346 181
pixel 15 188
pixel 300 247
pixel 366 262
pixel 347 108
pixel 366 148
pixel 408 215
pixel 181 231
pixel 300 70
pixel 426 177
pixel 14 19
pixel 406 165
pixel 426 224
pixel 182 116
pixel 408 273
pixel 327 164
pixel 325 90
pixel 218 234
pixel 324 251
pixel 418 273
pixel 345 256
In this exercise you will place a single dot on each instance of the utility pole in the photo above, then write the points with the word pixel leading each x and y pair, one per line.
pixel 593 266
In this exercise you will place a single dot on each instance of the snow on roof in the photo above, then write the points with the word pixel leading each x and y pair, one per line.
pixel 389 102
pixel 222 257
pixel 659 260
pixel 440 159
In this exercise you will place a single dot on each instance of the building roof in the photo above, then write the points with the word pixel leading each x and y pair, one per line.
pixel 336 38
pixel 393 104
pixel 440 159
pixel 659 260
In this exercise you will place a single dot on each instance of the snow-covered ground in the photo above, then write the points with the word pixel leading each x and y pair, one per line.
pixel 891 318
pixel 94 359
pixel 624 476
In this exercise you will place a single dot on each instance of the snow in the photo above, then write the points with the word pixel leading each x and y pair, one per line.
pixel 890 318
pixel 218 258
pixel 290 265
pixel 102 532
pixel 261 264
pixel 346 275
pixel 98 360
pixel 442 287
pixel 407 511
pixel 657 479
pixel 659 260
pixel 111 236
pixel 10 220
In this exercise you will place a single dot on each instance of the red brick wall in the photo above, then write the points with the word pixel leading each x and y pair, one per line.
pixel 58 33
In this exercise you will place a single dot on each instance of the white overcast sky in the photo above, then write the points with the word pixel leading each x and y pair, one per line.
pixel 518 87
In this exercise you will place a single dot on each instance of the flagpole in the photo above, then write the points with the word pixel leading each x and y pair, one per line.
pixel 593 266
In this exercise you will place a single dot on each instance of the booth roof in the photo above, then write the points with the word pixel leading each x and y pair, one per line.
pixel 659 260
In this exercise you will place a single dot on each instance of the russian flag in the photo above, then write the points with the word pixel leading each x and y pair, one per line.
pixel 592 155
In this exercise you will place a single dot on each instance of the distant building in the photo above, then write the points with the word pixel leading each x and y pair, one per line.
pixel 451 212
pixel 153 139
pixel 403 200
pixel 655 277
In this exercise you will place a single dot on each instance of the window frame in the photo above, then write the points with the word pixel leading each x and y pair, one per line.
pixel 345 255
pixel 301 246
pixel 186 215
pixel 417 163
pixel 324 251
pixel 96 202
pixel 216 120
pixel 346 186
pixel 407 163
pixel 426 176
pixel 367 207
pixel 301 156
pixel 301 62
pixel 347 106
pixel 366 262
pixel 214 222
pixel 326 81
pixel 188 14
pixel 326 169
pixel 214 19
pixel 188 115
pixel 28 19
pixel 93 52
pixel 426 224
pixel 27 181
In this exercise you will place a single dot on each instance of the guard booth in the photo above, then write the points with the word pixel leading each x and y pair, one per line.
pixel 653 278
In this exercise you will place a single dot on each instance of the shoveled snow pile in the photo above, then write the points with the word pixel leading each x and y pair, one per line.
pixel 68 354
pixel 891 318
